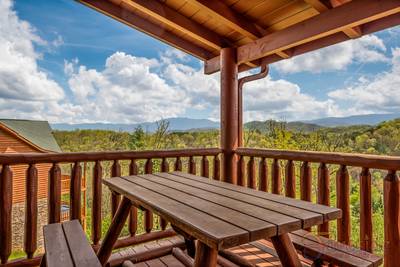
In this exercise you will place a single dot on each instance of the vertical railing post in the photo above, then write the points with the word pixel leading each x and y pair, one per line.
pixel 323 195
pixel 115 197
pixel 54 199
pixel 229 113
pixel 5 213
pixel 75 192
pixel 305 181
pixel 251 174
pixel 276 177
pixel 241 171
pixel 290 180
pixel 205 167
pixel 216 168
pixel 343 203
pixel 391 196
pixel 96 203
pixel 192 165
pixel 148 215
pixel 263 175
pixel 132 223
pixel 366 240
pixel 164 168
pixel 31 211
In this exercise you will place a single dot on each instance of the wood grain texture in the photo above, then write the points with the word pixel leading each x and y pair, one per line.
pixel 5 212
pixel 31 211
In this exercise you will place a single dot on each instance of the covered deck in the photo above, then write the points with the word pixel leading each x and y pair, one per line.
pixel 230 36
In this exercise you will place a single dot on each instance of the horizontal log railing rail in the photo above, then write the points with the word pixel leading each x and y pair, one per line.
pixel 278 180
pixel 149 159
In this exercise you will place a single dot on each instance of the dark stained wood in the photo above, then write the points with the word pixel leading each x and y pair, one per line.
pixel 343 203
pixel 164 165
pixel 164 168
pixel 178 164
pixel 56 246
pixel 96 203
pixel 216 168
pixel 115 229
pixel 241 172
pixel 220 208
pixel 133 217
pixel 328 213
pixel 31 211
pixel 229 114
pixel 338 254
pixel 6 187
pixel 251 174
pixel 290 180
pixel 148 215
pixel 205 256
pixel 192 165
pixel 75 192
pixel 215 232
pixel 54 199
pixel 286 218
pixel 81 252
pixel 366 237
pixel 21 158
pixel 286 251
pixel 305 181
pixel 182 257
pixel 276 177
pixel 323 195
pixel 217 202
pixel 348 159
pixel 144 25
pixel 391 198
pixel 263 174
pixel 115 198
pixel 205 167
pixel 176 20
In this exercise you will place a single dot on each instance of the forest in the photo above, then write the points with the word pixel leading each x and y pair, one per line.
pixel 381 139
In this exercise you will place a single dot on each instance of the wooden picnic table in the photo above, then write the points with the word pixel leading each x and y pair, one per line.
pixel 219 215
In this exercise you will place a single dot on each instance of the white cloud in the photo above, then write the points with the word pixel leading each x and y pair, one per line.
pixel 20 76
pixel 380 93
pixel 367 49
pixel 281 99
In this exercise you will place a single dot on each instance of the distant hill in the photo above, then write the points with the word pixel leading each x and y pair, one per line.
pixel 295 126
pixel 175 124
pixel 370 119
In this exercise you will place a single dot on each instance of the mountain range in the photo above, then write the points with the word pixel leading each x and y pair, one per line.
pixel 187 124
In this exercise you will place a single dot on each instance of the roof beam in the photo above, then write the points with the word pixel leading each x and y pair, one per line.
pixel 368 28
pixel 228 17
pixel 176 20
pixel 320 26
pixel 141 24
pixel 319 6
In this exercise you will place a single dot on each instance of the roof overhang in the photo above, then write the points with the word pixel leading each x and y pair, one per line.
pixel 263 31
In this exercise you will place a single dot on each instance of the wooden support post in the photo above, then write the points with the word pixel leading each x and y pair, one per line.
pixel 391 196
pixel 96 206
pixel 366 239
pixel 205 256
pixel 229 113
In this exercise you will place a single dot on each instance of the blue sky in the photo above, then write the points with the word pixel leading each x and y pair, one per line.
pixel 67 63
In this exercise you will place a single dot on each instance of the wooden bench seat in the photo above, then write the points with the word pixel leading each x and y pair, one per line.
pixel 323 250
pixel 67 246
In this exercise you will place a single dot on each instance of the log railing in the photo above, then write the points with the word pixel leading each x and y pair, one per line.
pixel 326 188
pixel 122 163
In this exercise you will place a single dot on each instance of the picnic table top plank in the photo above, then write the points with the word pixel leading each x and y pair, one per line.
pixel 56 247
pixel 220 215
pixel 210 230
pixel 329 213
pixel 271 208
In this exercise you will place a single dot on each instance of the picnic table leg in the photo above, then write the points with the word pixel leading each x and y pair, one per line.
pixel 115 229
pixel 205 256
pixel 286 251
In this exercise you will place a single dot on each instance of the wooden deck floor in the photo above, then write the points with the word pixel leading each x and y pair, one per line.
pixel 260 254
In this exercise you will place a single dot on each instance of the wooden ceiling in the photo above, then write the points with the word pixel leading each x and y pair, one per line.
pixel 264 31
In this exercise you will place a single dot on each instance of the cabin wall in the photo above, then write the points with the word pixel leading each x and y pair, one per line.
pixel 11 144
